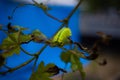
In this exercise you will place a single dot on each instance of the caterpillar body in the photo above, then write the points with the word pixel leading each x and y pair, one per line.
pixel 61 38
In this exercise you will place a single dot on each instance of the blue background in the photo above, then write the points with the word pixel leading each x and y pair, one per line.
pixel 33 18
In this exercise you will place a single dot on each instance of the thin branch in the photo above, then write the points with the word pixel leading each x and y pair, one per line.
pixel 18 67
pixel 79 45
pixel 41 50
pixel 73 11
pixel 34 66
pixel 7 66
pixel 11 17
pixel 61 26
pixel 14 10
pixel 26 52
pixel 49 15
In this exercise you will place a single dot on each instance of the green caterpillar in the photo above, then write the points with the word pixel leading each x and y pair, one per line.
pixel 61 38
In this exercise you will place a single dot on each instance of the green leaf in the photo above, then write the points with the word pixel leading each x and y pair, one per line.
pixel 7 43
pixel 10 45
pixel 49 66
pixel 65 56
pixel 38 36
pixel 73 56
pixel 20 28
pixel 51 69
pixel 41 67
pixel 41 73
pixel 14 36
pixel 45 76
pixel 36 32
pixel 74 65
pixel 24 38
pixel 11 51
pixel 77 65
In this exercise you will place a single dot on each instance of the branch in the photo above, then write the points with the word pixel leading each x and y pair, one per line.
pixel 14 10
pixel 49 15
pixel 73 11
pixel 7 66
pixel 61 26
pixel 35 64
pixel 18 67
pixel 41 50
pixel 26 52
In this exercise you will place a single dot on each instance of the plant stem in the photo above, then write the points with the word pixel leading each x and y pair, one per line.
pixel 18 67
pixel 49 15
pixel 34 66
pixel 73 11
pixel 7 66
pixel 26 52
pixel 41 50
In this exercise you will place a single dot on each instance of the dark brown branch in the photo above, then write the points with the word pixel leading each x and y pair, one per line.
pixel 79 45
pixel 49 15
pixel 73 11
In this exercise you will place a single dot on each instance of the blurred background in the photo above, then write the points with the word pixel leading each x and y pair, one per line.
pixel 104 16
pixel 93 16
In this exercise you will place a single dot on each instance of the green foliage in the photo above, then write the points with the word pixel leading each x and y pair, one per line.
pixel 38 36
pixel 72 57
pixel 20 28
pixel 11 44
pixel 77 65
pixel 65 56
pixel 41 73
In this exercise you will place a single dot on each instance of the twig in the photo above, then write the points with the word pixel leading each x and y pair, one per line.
pixel 7 66
pixel 18 67
pixel 41 50
pixel 34 66
pixel 49 15
pixel 73 11
pixel 26 52
pixel 79 45
pixel 14 10
pixel 61 26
